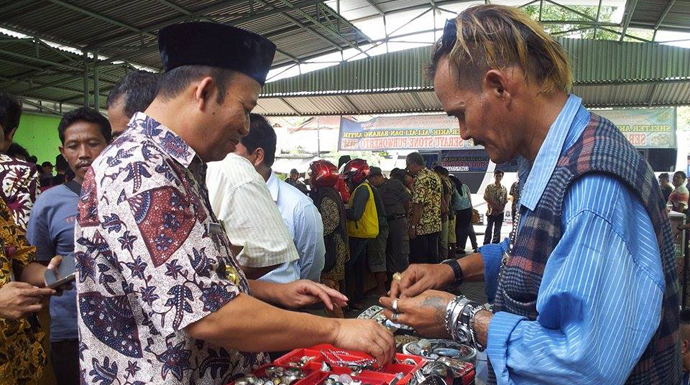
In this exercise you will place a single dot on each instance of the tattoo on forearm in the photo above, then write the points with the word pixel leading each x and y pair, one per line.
pixel 439 307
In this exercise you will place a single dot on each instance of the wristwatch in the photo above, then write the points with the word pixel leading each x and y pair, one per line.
pixel 457 271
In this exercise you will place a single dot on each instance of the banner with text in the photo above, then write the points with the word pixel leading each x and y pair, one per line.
pixel 645 127
pixel 395 133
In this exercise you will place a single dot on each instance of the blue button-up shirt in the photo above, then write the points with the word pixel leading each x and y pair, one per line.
pixel 600 297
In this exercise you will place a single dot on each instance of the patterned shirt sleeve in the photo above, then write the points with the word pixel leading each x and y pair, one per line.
pixel 20 188
pixel 14 240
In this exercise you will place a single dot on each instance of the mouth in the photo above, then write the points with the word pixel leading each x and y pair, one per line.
pixel 83 166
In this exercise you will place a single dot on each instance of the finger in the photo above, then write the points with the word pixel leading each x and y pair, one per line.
pixel 333 294
pixel 401 318
pixel 33 291
pixel 19 285
pixel 321 294
pixel 395 289
pixel 387 343
pixel 54 262
pixel 408 278
pixel 32 309
pixel 387 302
pixel 377 351
pixel 415 289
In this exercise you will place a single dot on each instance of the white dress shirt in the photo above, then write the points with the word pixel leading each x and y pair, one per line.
pixel 304 224
pixel 241 200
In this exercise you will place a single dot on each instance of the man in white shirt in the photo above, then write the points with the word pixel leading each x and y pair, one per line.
pixel 241 200
pixel 298 211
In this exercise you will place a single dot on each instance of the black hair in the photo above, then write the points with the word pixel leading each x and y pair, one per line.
pixel 16 150
pixel 10 112
pixel 261 135
pixel 663 175
pixel 61 164
pixel 416 158
pixel 499 172
pixel 46 163
pixel 294 171
pixel 681 173
pixel 685 317
pixel 441 170
pixel 88 115
pixel 31 159
pixel 343 159
pixel 458 184
pixel 177 79
pixel 138 89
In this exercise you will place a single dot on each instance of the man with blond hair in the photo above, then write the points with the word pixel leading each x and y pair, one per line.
pixel 587 291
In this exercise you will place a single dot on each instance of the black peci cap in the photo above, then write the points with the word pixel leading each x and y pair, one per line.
pixel 216 45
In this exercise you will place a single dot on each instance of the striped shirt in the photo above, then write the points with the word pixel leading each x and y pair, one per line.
pixel 600 297
pixel 241 200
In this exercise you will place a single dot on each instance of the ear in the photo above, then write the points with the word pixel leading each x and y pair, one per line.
pixel 10 136
pixel 259 153
pixel 204 91
pixel 62 150
pixel 684 347
pixel 496 84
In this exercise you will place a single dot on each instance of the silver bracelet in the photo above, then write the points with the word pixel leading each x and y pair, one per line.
pixel 475 341
pixel 450 309
pixel 456 316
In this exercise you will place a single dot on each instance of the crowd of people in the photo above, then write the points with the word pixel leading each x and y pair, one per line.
pixel 193 259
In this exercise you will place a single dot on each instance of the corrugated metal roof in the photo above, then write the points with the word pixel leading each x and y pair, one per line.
pixel 593 61
pixel 668 14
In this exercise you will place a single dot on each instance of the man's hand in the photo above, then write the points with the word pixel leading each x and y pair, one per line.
pixel 412 233
pixel 302 293
pixel 367 336
pixel 419 278
pixel 426 313
pixel 17 299
pixel 52 265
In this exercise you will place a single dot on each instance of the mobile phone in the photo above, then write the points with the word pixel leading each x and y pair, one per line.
pixel 62 274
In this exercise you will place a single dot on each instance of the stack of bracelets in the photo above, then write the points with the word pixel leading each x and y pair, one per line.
pixel 460 314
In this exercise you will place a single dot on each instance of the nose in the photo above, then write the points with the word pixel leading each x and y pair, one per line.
pixel 464 134
pixel 84 151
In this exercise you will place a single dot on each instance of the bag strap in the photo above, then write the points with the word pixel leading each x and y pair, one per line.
pixel 75 187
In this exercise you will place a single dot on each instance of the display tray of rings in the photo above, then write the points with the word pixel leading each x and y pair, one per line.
pixel 328 365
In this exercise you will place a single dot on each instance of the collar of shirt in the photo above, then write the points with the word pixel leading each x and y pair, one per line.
pixel 169 141
pixel 567 128
pixel 273 186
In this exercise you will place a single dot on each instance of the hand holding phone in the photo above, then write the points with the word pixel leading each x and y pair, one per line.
pixel 61 274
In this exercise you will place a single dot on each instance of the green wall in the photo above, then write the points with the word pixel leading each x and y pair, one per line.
pixel 39 135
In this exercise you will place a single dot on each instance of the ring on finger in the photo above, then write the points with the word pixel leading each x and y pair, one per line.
pixel 394 316
pixel 397 276
pixel 395 305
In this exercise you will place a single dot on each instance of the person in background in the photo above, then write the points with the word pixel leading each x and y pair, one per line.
pixel 20 180
pixel 18 152
pixel 362 226
pixel 46 179
pixel 396 199
pixel 666 187
pixel 161 297
pixel 293 180
pixel 242 201
pixel 425 223
pixel 685 344
pixel 342 186
pixel 376 250
pixel 323 178
pixel 301 217
pixel 463 213
pixel 442 172
pixel 678 200
pixel 134 93
pixel 61 169
pixel 514 198
pixel 83 133
pixel 496 198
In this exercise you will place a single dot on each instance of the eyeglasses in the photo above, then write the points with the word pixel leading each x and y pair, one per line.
pixel 450 31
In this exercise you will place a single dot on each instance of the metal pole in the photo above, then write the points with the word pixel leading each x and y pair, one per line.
pixel 86 80
pixel 96 85
pixel 318 136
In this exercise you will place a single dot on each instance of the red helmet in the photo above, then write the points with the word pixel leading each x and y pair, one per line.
pixel 356 170
pixel 323 173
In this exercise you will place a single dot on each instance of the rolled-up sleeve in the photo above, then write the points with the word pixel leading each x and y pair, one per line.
pixel 599 301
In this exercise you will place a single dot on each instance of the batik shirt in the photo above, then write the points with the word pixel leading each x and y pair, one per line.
pixel 22 357
pixel 427 191
pixel 152 259
pixel 20 188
